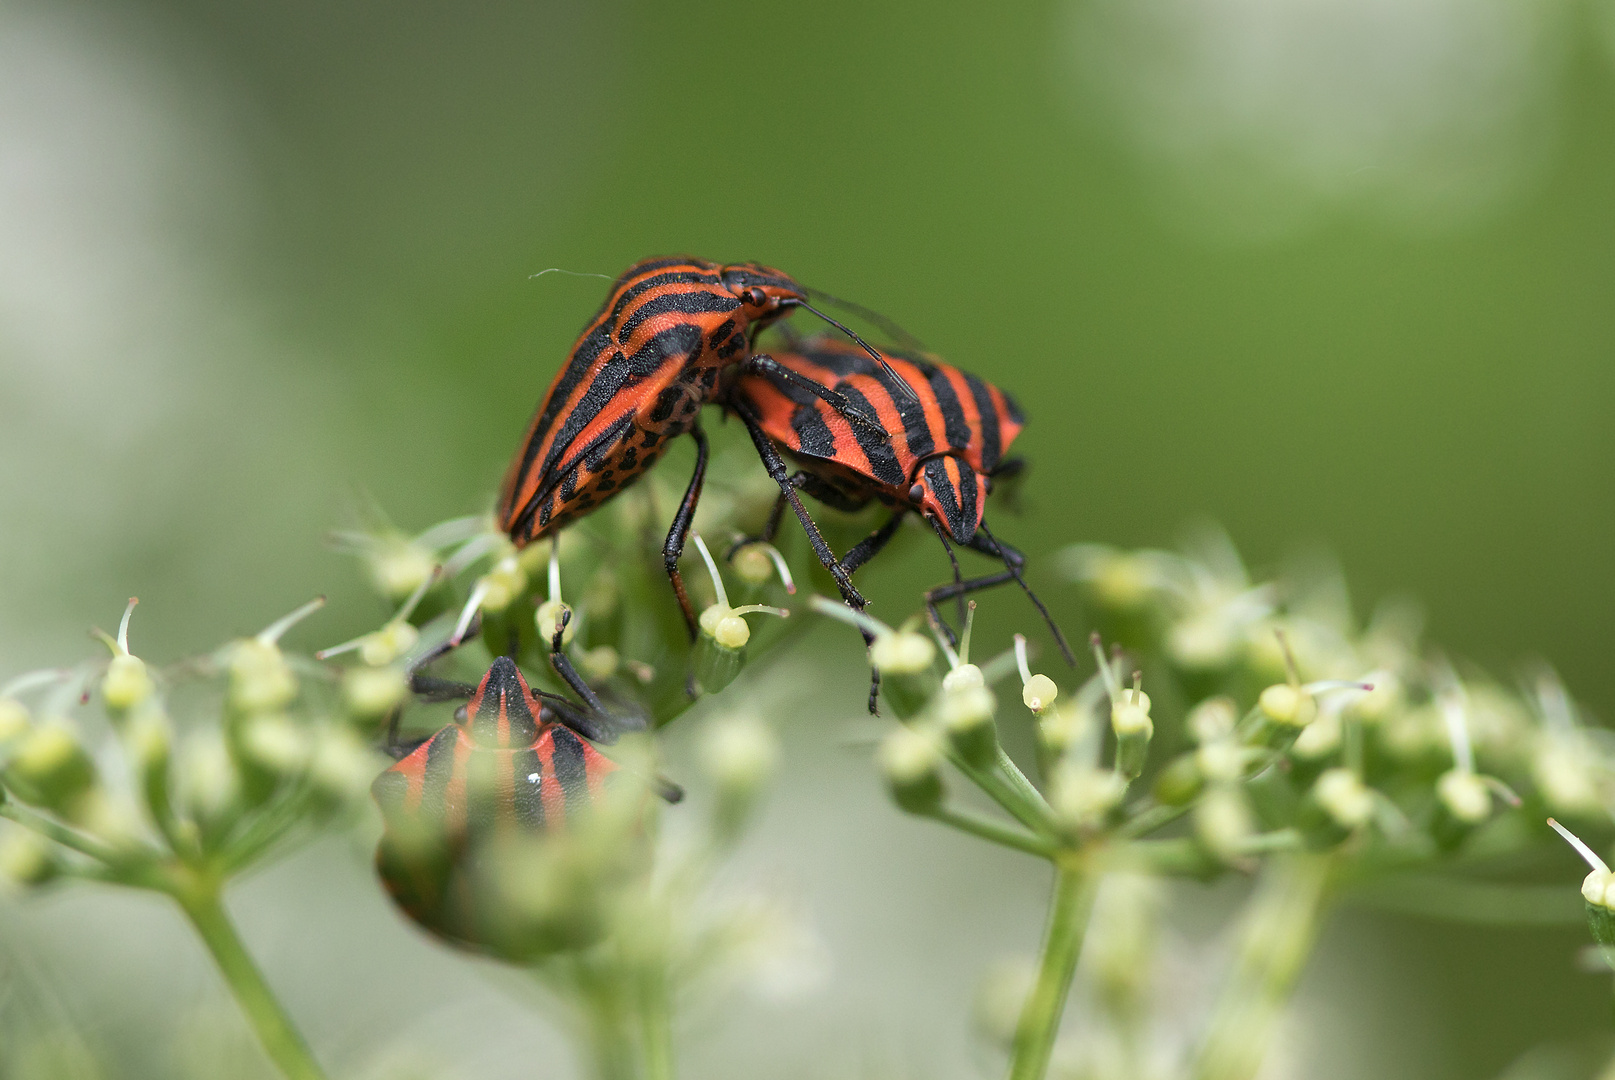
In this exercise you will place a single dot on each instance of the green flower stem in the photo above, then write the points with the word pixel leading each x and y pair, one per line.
pixel 1280 925
pixel 993 831
pixel 610 1041
pixel 61 834
pixel 656 1022
pixel 1062 945
pixel 1024 787
pixel 199 897
pixel 1153 818
pixel 1033 812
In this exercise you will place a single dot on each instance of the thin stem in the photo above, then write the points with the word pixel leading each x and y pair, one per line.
pixel 993 831
pixel 1151 819
pixel 1280 925
pixel 199 898
pixel 655 1022
pixel 53 830
pixel 609 1038
pixel 1062 945
pixel 1033 812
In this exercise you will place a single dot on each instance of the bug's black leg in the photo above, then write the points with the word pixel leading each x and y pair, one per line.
pixel 985 543
pixel 958 591
pixel 771 527
pixel 781 475
pixel 676 536
pixel 579 720
pixel 767 366
pixel 871 545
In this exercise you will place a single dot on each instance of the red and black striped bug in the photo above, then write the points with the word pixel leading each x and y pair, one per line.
pixel 513 764
pixel 949 434
pixel 656 351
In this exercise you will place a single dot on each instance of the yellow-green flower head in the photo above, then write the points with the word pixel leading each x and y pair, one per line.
pixel 1083 796
pixel 1037 691
pixel 1344 797
pixel 260 678
pixel 371 692
pixel 911 760
pixel 902 652
pixel 1464 795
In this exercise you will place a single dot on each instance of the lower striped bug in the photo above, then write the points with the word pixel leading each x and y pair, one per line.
pixel 514 765
pixel 949 432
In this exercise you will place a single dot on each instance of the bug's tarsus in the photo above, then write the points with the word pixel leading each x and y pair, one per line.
pixel 679 533
pixel 1013 561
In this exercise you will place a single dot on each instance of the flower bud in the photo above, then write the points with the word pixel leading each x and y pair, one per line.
pixel 1061 726
pixel 1319 739
pixel 1597 889
pixel 1465 796
pixel 1039 693
pixel 126 684
pixel 1202 642
pixel 905 661
pixel 369 692
pixel 1282 711
pixel 13 720
pixel 1224 761
pixel 599 663
pixel 752 564
pixel 393 640
pixel 1564 775
pixel 1345 802
pixel 963 677
pixel 51 769
pixel 966 715
pixel 720 650
pixel 502 585
pixel 911 761
pixel 1212 720
pixel 1083 797
pixel 210 784
pixel 150 738
pixel 548 617
pixel 740 755
pixel 1121 581
pixel 1180 782
pixel 260 678
pixel 277 743
pixel 1130 720
pixel 27 858
pixel 1223 822
pixel 397 568
pixel 342 766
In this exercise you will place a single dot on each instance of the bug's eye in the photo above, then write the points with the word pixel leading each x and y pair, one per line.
pixel 755 297
pixel 916 493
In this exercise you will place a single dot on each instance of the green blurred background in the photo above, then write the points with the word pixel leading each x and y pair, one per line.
pixel 1334 273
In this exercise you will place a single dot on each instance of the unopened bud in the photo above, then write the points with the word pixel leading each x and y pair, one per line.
pixel 1212 720
pixel 393 640
pixel 126 684
pixel 1223 822
pixel 1286 704
pixel 720 651
pixel 208 777
pixel 963 677
pixel 342 766
pixel 912 763
pixel 752 564
pixel 1565 777
pixel 150 738
pixel 1063 725
pixel 397 569
pixel 1039 693
pixel 966 715
pixel 1121 581
pixel 1344 797
pixel 276 742
pixel 1465 796
pixel 369 692
pixel 548 618
pixel 50 768
pixel 1319 739
pixel 260 678
pixel 1083 797
pixel 1130 720
pixel 1223 761
pixel 27 858
pixel 1597 889
pixel 599 663
pixel 13 720
pixel 905 662
pixel 1180 782
pixel 502 585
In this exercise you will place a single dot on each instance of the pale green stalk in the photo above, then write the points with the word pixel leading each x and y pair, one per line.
pixel 1281 922
pixel 1062 946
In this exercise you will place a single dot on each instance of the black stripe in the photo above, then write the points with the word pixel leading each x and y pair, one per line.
pixel 577 366
pixel 683 342
pixel 527 771
pixel 678 277
pixel 936 475
pixel 601 391
pixel 916 429
pixel 571 768
pixel 882 460
pixel 439 770
pixel 990 448
pixel 812 433
pixel 698 302
pixel 967 503
pixel 955 425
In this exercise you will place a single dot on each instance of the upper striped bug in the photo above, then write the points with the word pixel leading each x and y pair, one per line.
pixel 512 766
pixel 636 379
pixel 949 434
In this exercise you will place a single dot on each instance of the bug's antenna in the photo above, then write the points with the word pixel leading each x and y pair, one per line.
pixel 1014 569
pixel 869 314
pixel 908 390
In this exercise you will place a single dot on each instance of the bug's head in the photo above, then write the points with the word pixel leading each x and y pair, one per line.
pixel 504 711
pixel 951 493
pixel 766 293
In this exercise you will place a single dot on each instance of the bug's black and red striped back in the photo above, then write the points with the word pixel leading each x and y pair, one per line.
pixel 950 430
pixel 636 378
